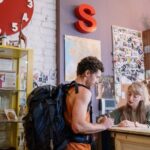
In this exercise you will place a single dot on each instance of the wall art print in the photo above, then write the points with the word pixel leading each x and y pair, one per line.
pixel 128 57
pixel 77 48
pixel 42 78
pixel 105 88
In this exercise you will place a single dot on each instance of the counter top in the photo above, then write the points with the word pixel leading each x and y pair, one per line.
pixel 134 130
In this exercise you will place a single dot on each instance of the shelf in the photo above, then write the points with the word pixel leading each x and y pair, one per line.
pixel 6 147
pixel 6 121
pixel 12 52
pixel 10 91
pixel 8 71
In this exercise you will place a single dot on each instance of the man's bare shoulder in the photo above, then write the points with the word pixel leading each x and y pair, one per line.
pixel 84 92
pixel 84 89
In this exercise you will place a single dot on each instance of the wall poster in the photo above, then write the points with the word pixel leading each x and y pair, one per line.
pixel 128 58
pixel 105 89
pixel 77 48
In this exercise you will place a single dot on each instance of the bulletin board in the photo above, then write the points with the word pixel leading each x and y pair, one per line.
pixel 128 58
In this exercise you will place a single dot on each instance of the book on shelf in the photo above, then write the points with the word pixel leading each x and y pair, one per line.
pixel 11 114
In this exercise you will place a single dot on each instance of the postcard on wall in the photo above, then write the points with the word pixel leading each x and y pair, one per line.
pixel 11 114
pixel 77 48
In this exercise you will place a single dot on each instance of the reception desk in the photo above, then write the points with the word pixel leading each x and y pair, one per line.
pixel 119 138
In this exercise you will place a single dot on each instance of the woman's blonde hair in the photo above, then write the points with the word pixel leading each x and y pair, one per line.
pixel 140 88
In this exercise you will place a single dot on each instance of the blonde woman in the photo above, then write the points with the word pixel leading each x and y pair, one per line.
pixel 136 112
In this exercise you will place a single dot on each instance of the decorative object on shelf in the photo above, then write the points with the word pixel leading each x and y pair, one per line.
pixel 13 43
pixel 22 36
pixel 22 106
pixel 22 111
pixel 11 114
pixel 11 12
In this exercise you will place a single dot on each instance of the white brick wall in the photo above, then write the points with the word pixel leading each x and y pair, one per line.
pixel 41 37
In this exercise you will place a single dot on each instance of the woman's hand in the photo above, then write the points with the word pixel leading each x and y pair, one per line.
pixel 126 123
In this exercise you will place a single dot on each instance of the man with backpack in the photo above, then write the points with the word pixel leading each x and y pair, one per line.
pixel 77 114
pixel 58 117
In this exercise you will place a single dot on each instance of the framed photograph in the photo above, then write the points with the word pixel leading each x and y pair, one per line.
pixel 11 114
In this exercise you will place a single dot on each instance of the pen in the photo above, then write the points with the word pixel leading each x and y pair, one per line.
pixel 148 123
pixel 134 120
pixel 135 123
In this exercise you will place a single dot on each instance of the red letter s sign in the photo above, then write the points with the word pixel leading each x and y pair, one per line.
pixel 86 22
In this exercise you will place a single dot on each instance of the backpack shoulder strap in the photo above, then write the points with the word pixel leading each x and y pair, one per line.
pixel 76 85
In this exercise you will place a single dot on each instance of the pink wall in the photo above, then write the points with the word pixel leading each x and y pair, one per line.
pixel 133 14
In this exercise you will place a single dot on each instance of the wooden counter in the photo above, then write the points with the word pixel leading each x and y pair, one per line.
pixel 139 131
pixel 119 138
pixel 131 138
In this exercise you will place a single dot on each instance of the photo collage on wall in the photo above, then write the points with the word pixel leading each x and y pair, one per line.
pixel 128 58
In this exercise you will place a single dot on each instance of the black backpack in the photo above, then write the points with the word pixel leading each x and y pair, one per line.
pixel 44 124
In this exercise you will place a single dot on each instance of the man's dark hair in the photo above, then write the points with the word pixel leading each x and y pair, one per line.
pixel 90 63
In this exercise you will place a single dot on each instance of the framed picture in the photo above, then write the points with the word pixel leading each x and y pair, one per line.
pixel 105 89
pixel 11 115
